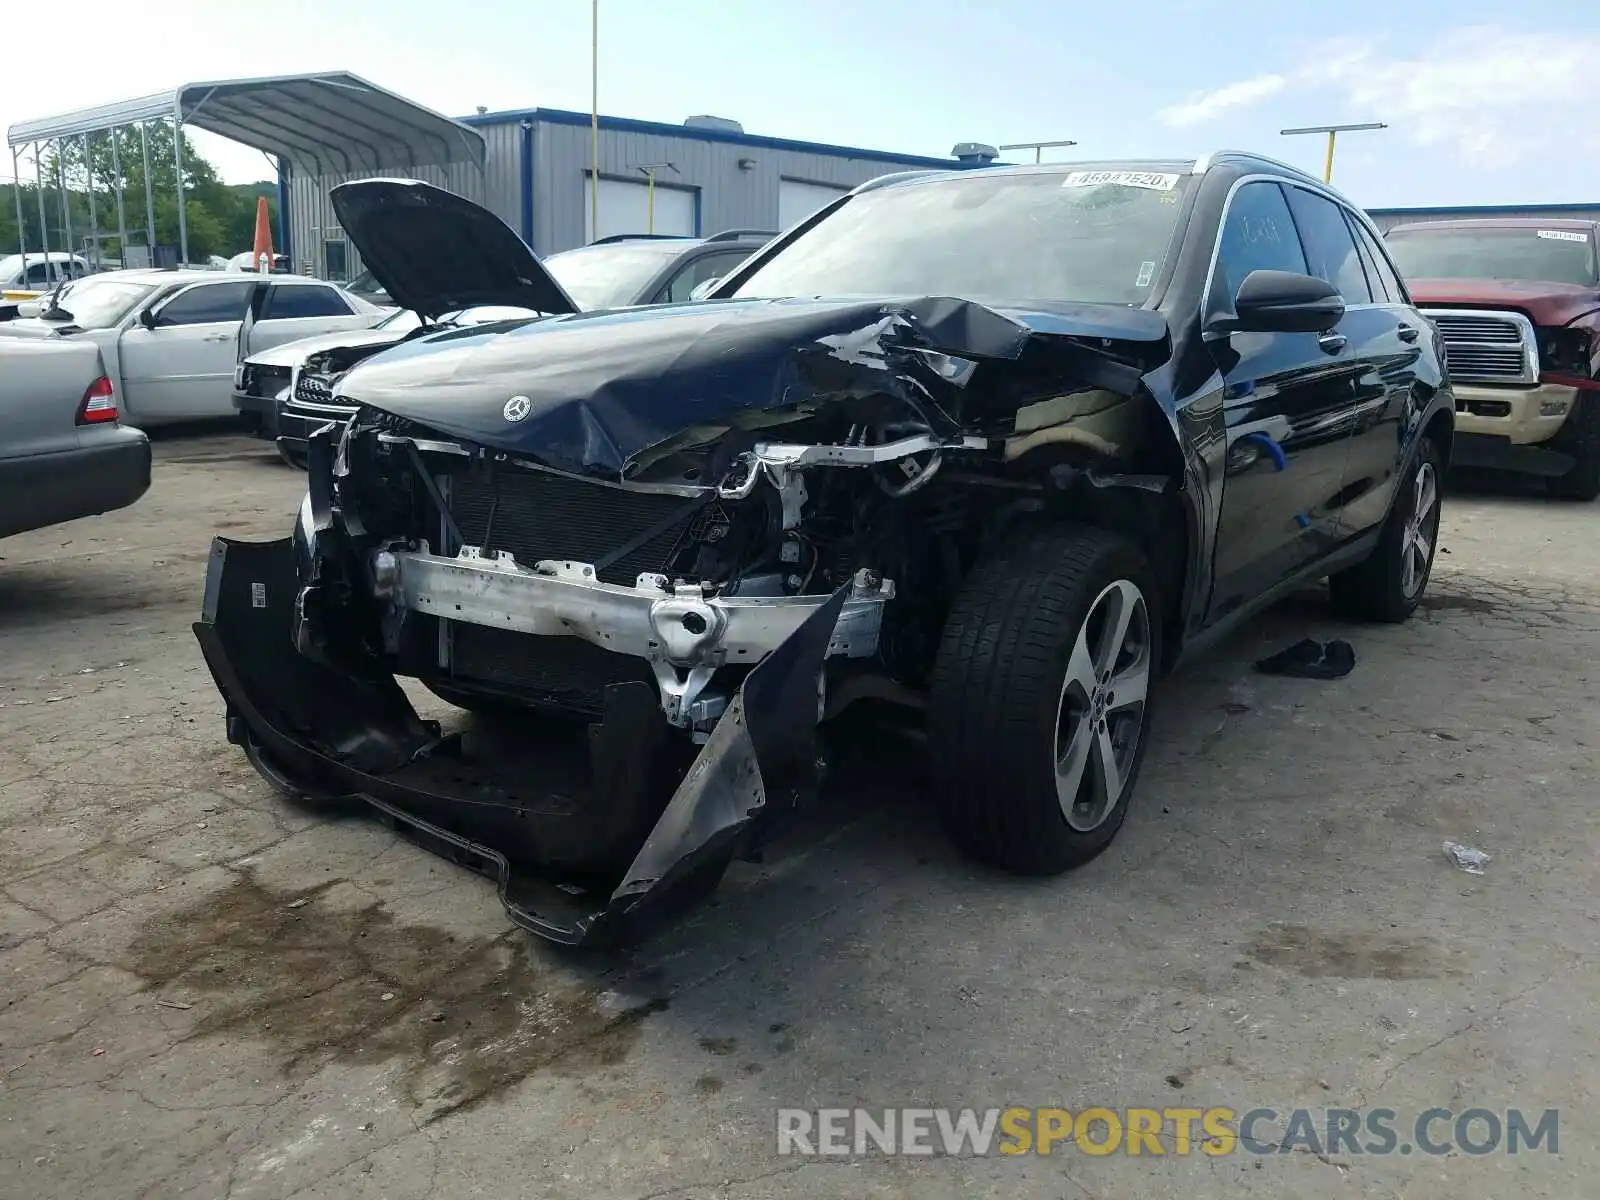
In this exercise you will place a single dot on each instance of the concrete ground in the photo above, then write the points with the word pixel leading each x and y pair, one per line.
pixel 209 992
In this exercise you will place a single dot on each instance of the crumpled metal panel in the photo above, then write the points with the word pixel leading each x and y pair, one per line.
pixel 604 388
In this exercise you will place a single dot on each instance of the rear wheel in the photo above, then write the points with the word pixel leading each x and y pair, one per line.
pixel 1388 584
pixel 1039 707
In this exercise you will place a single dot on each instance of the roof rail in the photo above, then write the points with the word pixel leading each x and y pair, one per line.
pixel 896 177
pixel 634 237
pixel 1206 160
pixel 734 235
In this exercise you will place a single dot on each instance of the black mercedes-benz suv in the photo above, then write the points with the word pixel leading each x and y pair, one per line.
pixel 1003 445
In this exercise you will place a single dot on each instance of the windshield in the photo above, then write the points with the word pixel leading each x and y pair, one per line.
pixel 365 285
pixel 1547 255
pixel 1095 236
pixel 98 302
pixel 613 275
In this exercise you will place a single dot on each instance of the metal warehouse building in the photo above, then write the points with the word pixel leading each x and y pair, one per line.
pixel 708 175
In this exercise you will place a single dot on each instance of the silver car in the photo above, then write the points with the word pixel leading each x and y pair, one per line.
pixel 171 339
pixel 63 452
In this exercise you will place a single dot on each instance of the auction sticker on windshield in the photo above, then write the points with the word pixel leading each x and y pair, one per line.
pixel 1156 181
pixel 1563 235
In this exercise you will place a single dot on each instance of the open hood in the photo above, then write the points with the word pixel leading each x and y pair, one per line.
pixel 436 252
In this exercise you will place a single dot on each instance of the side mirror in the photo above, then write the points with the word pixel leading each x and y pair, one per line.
pixel 1286 302
pixel 705 287
pixel 147 317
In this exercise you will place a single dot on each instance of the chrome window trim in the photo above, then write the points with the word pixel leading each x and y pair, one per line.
pixel 1281 181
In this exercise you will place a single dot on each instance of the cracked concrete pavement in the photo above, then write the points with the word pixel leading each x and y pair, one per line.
pixel 211 993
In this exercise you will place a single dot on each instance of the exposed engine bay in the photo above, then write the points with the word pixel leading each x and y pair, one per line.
pixel 708 555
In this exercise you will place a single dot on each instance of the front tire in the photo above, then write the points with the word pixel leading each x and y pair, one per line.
pixel 1388 584
pixel 1039 708
pixel 294 458
pixel 1580 435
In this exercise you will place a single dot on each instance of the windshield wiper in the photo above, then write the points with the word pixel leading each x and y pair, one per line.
pixel 55 312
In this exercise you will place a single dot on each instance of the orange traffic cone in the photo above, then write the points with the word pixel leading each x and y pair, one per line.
pixel 262 256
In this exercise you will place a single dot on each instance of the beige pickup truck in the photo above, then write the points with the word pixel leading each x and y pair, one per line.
pixel 1517 302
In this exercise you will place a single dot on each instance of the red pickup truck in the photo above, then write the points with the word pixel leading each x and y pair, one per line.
pixel 1517 301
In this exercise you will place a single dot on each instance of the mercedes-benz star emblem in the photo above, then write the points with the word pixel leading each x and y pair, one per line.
pixel 517 408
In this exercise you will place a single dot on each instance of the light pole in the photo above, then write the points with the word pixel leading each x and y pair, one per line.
pixel 1333 131
pixel 648 170
pixel 1037 147
pixel 594 119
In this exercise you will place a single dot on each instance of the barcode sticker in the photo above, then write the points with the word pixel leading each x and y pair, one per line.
pixel 1156 181
pixel 258 595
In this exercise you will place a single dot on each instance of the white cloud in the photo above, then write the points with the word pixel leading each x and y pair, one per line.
pixel 1206 106
pixel 1492 97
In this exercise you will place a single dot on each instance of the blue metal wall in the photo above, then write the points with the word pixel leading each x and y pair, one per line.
pixel 537 161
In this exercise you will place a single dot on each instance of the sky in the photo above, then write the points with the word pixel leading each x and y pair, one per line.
pixel 1485 102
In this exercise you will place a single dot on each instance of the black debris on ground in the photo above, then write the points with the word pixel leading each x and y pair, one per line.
pixel 1311 659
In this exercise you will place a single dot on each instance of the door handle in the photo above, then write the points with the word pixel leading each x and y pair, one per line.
pixel 220 337
pixel 1333 342
pixel 1407 333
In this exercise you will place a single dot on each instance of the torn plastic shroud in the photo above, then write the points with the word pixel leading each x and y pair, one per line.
pixel 323 730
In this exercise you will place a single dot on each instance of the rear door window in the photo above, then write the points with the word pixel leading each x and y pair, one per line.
pixel 1330 249
pixel 304 300
pixel 1381 271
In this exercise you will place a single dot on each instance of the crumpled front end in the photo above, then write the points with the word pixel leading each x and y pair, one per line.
pixel 321 728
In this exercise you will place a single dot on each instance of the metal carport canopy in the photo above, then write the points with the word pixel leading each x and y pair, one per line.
pixel 321 123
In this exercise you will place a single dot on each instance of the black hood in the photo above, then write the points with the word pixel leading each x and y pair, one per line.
pixel 590 392
pixel 436 252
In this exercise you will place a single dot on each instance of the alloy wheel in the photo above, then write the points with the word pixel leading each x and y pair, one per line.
pixel 1421 530
pixel 1100 716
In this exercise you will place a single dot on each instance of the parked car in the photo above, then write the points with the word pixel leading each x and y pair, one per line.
pixel 630 269
pixel 21 284
pixel 42 272
pixel 283 393
pixel 1518 303
pixel 369 289
pixel 287 392
pixel 63 452
pixel 1003 444
pixel 170 338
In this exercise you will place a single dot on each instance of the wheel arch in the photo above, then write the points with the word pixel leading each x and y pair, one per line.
pixel 1162 524
pixel 1440 430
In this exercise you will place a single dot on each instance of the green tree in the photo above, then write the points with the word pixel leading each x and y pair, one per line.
pixel 221 217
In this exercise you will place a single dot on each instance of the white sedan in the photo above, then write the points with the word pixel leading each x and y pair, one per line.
pixel 171 339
